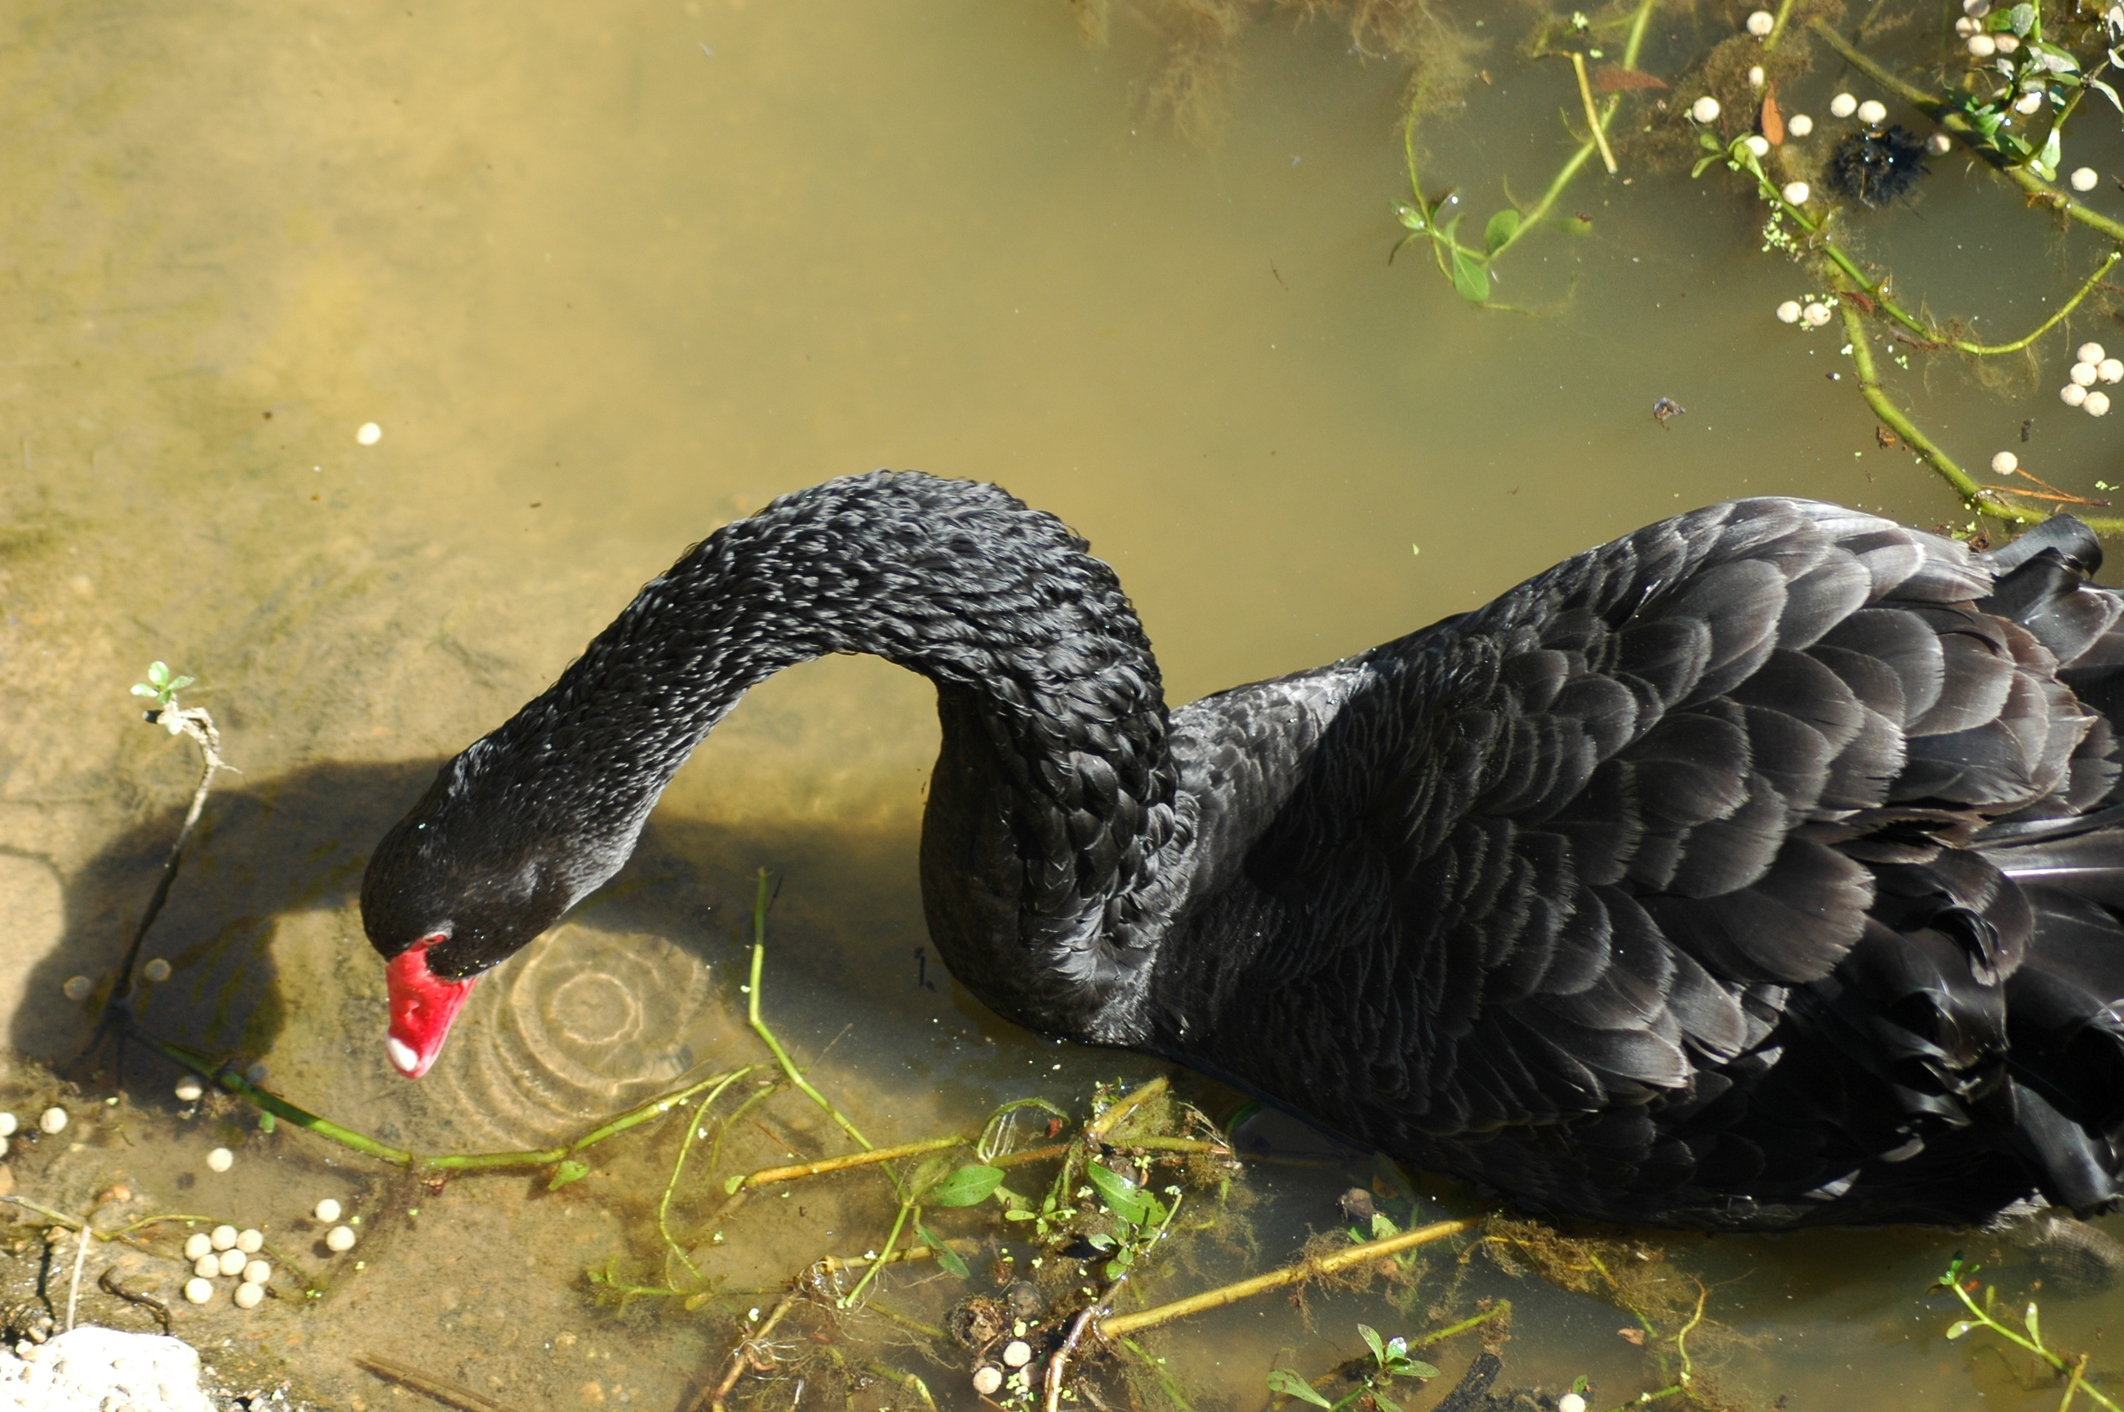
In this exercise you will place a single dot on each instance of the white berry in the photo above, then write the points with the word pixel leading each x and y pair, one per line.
pixel 1704 109
pixel 157 970
pixel 53 1121
pixel 197 1244
pixel 2005 463
pixel 9 1123
pixel 1872 112
pixel 1756 143
pixel 369 434
pixel 1570 1402
pixel 189 1089
pixel 1789 312
pixel 1799 125
pixel 327 1211
pixel 2085 374
pixel 250 1242
pixel 1796 193
pixel 232 1262
pixel 198 1291
pixel 1816 315
pixel 77 987
pixel 2110 370
pixel 220 1160
pixel 1843 105
pixel 987 1378
pixel 1939 144
pixel 1982 46
pixel 1761 23
pixel 340 1238
pixel 2091 353
pixel 249 1295
pixel 223 1237
pixel 2097 404
pixel 206 1266
pixel 257 1272
pixel 2072 394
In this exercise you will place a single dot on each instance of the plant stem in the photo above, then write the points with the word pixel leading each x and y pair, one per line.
pixel 663 1207
pixel 1096 1130
pixel 759 1026
pixel 1288 1275
pixel 1594 125
pixel 899 1223
pixel 1500 1310
pixel 769 1175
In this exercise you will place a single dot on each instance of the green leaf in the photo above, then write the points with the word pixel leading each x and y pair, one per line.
pixel 969 1186
pixel 1370 1336
pixel 1710 144
pixel 1705 164
pixel 1383 1226
pixel 1499 232
pixel 2022 17
pixel 266 1124
pixel 2047 161
pixel 568 1171
pixel 181 683
pixel 159 673
pixel 2035 1327
pixel 1413 1368
pixel 947 1258
pixel 1291 1385
pixel 1410 216
pixel 1960 1327
pixel 141 688
pixel 1122 1196
pixel 1470 278
pixel 2107 92
pixel 1386 1403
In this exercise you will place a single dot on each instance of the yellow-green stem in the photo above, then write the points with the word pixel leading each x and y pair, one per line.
pixel 759 1026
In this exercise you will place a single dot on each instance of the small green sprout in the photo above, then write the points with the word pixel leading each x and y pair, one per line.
pixel 162 688
pixel 1390 1360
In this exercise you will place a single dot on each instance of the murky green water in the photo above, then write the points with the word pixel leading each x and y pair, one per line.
pixel 610 275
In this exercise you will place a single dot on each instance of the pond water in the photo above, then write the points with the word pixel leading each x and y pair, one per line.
pixel 609 275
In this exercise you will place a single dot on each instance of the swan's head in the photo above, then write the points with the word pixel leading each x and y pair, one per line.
pixel 443 901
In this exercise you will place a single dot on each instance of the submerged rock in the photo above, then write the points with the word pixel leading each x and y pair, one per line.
pixel 89 1368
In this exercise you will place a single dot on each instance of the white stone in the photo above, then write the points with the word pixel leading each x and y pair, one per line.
pixel 369 434
pixel 1873 112
pixel 1799 125
pixel 189 1089
pixel 223 1237
pixel 2072 394
pixel 1843 105
pixel 1789 312
pixel 2005 463
pixel 232 1262
pixel 1761 23
pixel 1017 1353
pixel 2085 178
pixel 340 1238
pixel 327 1210
pixel 249 1295
pixel 1982 46
pixel 2085 373
pixel 197 1244
pixel 93 1369
pixel 1796 193
pixel 1939 144
pixel 220 1159
pixel 1704 109
pixel 2097 404
pixel 1756 143
pixel 987 1379
pixel 2091 353
pixel 53 1121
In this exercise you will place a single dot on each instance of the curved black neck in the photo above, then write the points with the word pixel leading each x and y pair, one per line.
pixel 1054 789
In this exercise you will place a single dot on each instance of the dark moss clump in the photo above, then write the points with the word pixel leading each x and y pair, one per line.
pixel 1875 167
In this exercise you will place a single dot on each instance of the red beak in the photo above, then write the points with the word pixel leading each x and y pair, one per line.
pixel 422 1006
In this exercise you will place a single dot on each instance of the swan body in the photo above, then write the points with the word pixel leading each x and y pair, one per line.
pixel 1762 868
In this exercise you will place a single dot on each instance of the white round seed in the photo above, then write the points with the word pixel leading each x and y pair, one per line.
pixel 1017 1353
pixel 2085 373
pixel 327 1210
pixel 206 1266
pixel 1789 312
pixel 197 1244
pixel 1939 144
pixel 156 970
pixel 2110 370
pixel 257 1272
pixel 1872 112
pixel 198 1291
pixel 1796 193
pixel 249 1295
pixel 53 1120
pixel 2097 404
pixel 223 1237
pixel 232 1262
pixel 2085 179
pixel 1758 144
pixel 220 1160
pixel 369 434
pixel 250 1242
pixel 1761 23
pixel 1704 109
pixel 340 1238
pixel 1755 77
pixel 2005 463
pixel 1799 125
pixel 9 1123
pixel 189 1089
pixel 987 1379
pixel 2091 353
pixel 1981 46
pixel 2072 394
pixel 1815 315
pixel 1843 105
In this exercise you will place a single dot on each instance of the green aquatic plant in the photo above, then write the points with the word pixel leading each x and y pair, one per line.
pixel 1985 1315
pixel 1390 1360
pixel 162 688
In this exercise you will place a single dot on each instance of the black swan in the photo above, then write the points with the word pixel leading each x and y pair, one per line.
pixel 1763 868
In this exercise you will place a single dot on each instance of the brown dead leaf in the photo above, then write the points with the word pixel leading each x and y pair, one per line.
pixel 1773 122
pixel 1614 80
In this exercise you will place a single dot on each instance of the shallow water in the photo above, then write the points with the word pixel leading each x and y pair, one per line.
pixel 610 275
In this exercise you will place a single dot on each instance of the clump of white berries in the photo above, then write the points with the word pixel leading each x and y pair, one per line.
pixel 226 1252
pixel 2094 365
